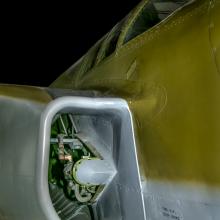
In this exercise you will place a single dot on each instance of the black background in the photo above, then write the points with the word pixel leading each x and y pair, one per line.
pixel 40 41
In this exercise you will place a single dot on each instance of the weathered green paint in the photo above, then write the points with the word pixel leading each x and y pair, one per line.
pixel 170 77
pixel 25 92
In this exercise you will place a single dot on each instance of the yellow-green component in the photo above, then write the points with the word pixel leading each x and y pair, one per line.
pixel 25 92
pixel 170 77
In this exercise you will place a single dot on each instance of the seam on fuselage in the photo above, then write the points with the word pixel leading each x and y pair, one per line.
pixel 211 29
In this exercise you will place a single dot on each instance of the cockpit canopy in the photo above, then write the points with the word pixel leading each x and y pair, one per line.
pixel 145 16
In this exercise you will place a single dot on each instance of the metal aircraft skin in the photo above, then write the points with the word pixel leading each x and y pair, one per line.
pixel 170 76
pixel 163 59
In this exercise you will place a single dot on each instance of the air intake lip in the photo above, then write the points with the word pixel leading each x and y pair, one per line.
pixel 108 120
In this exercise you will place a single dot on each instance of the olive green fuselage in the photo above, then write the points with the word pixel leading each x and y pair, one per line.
pixel 170 76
